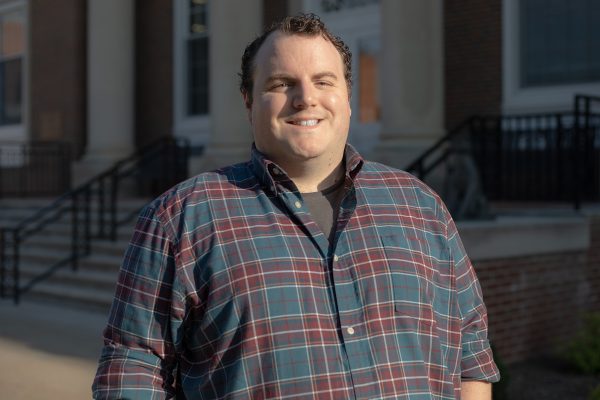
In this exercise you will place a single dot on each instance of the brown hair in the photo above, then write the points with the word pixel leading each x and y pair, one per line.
pixel 302 24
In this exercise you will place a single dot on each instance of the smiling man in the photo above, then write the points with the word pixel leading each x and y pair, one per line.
pixel 306 272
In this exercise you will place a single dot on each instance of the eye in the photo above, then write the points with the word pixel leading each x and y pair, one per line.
pixel 323 83
pixel 278 86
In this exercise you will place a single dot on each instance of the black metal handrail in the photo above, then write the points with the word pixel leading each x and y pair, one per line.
pixel 168 154
pixel 543 156
pixel 438 152
pixel 584 126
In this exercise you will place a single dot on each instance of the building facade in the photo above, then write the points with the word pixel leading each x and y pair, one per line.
pixel 109 76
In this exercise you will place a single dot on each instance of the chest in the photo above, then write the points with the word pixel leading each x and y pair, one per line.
pixel 270 262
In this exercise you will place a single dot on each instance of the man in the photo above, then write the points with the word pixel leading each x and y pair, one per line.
pixel 306 272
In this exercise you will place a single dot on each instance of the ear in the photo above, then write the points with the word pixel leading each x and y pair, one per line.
pixel 248 105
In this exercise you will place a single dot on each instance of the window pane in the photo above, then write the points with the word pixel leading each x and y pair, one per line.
pixel 560 41
pixel 197 74
pixel 11 34
pixel 10 92
pixel 337 5
pixel 198 17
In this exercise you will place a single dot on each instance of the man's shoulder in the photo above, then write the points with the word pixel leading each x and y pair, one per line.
pixel 385 186
pixel 205 187
pixel 380 174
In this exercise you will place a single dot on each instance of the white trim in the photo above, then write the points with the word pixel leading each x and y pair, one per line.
pixel 196 129
pixel 516 99
pixel 19 132
pixel 13 133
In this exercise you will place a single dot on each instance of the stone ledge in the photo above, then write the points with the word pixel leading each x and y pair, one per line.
pixel 524 236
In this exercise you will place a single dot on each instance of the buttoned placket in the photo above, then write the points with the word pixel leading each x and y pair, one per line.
pixel 349 308
pixel 350 311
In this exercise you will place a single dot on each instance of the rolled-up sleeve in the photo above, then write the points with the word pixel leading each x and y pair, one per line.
pixel 138 360
pixel 477 362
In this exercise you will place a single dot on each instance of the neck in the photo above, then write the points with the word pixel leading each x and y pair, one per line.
pixel 313 177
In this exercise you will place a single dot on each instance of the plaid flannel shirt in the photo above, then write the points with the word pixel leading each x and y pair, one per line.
pixel 230 290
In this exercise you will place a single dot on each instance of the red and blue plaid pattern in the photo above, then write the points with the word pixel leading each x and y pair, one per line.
pixel 230 290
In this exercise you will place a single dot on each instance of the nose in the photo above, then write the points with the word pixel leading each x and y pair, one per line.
pixel 304 95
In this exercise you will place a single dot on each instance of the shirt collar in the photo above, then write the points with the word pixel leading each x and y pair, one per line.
pixel 270 175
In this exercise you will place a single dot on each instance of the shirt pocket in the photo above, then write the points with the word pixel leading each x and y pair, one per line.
pixel 412 271
pixel 415 322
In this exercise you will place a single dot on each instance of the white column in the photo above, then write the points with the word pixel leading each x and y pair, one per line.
pixel 412 79
pixel 233 24
pixel 110 72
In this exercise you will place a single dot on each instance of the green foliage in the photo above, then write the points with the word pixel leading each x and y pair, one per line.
pixel 583 352
pixel 595 394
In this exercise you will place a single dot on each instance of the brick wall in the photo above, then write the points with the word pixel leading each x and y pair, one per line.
pixel 473 58
pixel 153 70
pixel 535 303
pixel 57 68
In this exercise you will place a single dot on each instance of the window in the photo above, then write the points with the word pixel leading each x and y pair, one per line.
pixel 358 23
pixel 550 52
pixel 12 47
pixel 191 70
pixel 560 42
pixel 368 80
pixel 197 58
pixel 337 5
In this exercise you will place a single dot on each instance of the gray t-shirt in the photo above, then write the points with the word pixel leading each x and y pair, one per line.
pixel 324 207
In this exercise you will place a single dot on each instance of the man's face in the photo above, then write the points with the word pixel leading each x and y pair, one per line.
pixel 300 109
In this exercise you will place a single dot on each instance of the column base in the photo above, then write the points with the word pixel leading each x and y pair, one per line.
pixel 400 153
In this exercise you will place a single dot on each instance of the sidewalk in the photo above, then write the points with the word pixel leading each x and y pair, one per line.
pixel 48 351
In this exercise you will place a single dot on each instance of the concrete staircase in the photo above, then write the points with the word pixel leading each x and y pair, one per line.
pixel 92 285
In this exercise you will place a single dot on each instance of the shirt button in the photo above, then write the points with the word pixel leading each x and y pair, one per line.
pixel 350 331
pixel 298 204
pixel 336 258
pixel 276 171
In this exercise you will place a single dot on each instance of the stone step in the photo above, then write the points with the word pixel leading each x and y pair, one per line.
pixel 94 262
pixel 36 202
pixel 81 278
pixel 72 296
pixel 57 230
pixel 13 220
pixel 41 243
pixel 11 215
pixel 92 285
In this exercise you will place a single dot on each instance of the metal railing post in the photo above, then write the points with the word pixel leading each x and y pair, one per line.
pixel 66 164
pixel 16 272
pixel 88 220
pixel 2 263
pixel 575 154
pixel 101 208
pixel 114 188
pixel 75 232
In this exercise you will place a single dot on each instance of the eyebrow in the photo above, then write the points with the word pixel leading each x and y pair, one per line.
pixel 285 77
pixel 279 77
pixel 326 74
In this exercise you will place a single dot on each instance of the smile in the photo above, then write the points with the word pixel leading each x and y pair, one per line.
pixel 306 122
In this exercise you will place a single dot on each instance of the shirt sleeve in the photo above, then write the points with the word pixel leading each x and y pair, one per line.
pixel 138 360
pixel 477 362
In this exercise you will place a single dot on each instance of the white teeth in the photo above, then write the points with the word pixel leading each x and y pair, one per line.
pixel 310 122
